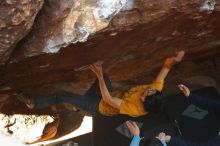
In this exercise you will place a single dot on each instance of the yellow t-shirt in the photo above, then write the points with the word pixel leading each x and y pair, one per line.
pixel 131 103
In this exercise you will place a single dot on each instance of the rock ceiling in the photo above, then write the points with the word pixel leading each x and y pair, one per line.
pixel 46 45
pixel 43 50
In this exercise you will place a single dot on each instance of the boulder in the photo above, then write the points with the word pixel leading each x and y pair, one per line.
pixel 16 20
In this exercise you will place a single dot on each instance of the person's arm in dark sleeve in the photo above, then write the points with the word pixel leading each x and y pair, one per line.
pixel 176 141
pixel 205 103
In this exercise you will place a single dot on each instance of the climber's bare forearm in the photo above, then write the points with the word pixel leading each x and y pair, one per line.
pixel 163 73
pixel 115 102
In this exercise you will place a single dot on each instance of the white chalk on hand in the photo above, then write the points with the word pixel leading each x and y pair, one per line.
pixel 181 86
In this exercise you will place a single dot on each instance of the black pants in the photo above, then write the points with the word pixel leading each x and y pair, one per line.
pixel 88 102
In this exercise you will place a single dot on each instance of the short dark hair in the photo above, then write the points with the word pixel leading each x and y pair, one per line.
pixel 151 142
pixel 154 103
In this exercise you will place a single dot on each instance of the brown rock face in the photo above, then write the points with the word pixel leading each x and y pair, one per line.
pixel 21 124
pixel 132 38
pixel 139 37
pixel 37 125
pixel 61 23
pixel 16 20
pixel 25 124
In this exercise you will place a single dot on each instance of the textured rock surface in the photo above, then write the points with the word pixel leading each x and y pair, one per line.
pixel 144 32
pixel 17 122
pixel 25 124
pixel 133 46
pixel 61 23
pixel 16 20
pixel 36 125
